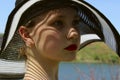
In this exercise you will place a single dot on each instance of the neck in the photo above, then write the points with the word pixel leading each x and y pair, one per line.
pixel 41 69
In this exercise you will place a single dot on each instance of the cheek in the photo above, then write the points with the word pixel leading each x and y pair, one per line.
pixel 49 42
pixel 52 43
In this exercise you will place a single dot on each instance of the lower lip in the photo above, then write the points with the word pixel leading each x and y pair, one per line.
pixel 71 48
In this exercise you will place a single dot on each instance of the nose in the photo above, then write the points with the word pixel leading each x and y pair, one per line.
pixel 73 34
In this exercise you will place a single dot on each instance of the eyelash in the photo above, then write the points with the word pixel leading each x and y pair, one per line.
pixel 59 24
pixel 76 23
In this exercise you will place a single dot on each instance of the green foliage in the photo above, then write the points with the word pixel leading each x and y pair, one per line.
pixel 1 34
pixel 97 52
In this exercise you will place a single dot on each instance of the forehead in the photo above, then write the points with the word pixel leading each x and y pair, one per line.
pixel 62 11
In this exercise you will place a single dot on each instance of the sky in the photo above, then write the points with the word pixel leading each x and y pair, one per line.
pixel 110 8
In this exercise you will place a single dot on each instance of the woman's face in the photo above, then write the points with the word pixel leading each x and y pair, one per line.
pixel 57 37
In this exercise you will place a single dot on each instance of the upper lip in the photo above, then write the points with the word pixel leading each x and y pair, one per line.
pixel 71 47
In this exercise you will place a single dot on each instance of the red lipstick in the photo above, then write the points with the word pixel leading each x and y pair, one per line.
pixel 72 47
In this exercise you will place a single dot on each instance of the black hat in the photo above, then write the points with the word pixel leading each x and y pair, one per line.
pixel 18 2
pixel 96 27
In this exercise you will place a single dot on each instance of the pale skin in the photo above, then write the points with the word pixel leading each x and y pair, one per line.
pixel 47 41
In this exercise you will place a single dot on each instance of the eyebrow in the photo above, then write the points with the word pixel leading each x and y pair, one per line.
pixel 76 16
pixel 59 16
pixel 62 16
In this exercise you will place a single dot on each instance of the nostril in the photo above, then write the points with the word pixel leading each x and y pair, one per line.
pixel 73 35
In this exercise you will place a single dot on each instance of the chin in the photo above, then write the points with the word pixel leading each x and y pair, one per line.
pixel 70 59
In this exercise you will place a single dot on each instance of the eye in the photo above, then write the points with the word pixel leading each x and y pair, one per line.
pixel 76 23
pixel 59 24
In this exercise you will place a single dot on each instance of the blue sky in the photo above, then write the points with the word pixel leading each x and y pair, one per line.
pixel 110 8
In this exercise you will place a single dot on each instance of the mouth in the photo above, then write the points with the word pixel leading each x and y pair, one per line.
pixel 72 47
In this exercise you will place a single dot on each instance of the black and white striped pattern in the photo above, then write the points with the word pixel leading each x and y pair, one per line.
pixel 105 30
pixel 91 31
pixel 16 19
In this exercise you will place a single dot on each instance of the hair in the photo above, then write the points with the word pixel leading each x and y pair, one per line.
pixel 31 24
pixel 38 12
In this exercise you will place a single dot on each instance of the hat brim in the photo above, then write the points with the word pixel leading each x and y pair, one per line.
pixel 89 34
pixel 105 32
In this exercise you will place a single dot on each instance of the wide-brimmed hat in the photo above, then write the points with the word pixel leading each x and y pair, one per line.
pixel 95 26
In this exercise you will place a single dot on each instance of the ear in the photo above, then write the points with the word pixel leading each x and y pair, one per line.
pixel 24 33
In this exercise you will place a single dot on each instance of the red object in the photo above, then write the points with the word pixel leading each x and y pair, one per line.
pixel 72 47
